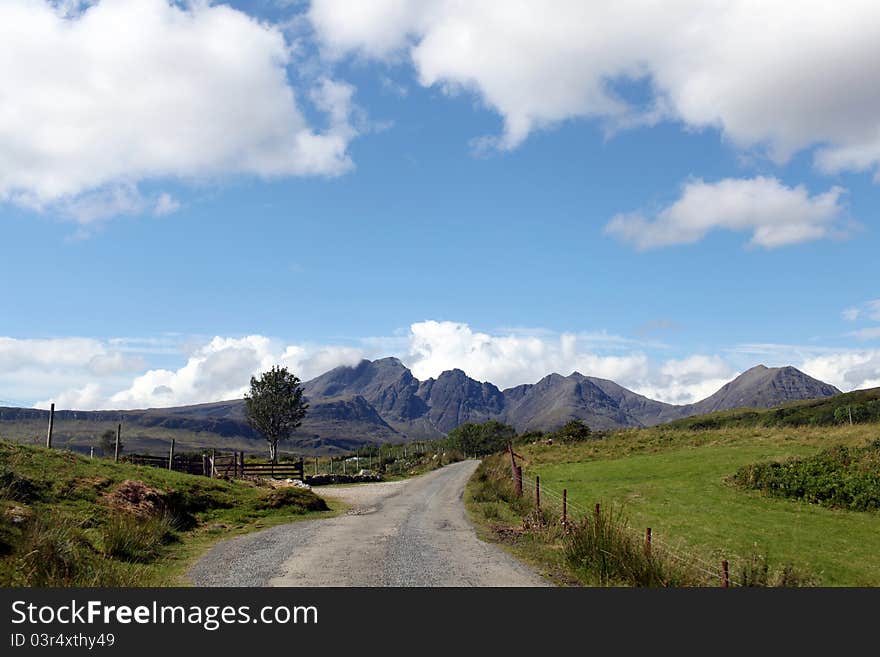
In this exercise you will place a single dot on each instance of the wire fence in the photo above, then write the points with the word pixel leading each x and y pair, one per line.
pixel 719 572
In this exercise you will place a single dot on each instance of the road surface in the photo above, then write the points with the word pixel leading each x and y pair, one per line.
pixel 405 533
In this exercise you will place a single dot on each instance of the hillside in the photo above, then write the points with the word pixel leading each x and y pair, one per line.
pixel 67 520
pixel 860 405
pixel 381 401
pixel 682 484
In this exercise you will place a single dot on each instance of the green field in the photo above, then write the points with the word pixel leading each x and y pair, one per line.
pixel 676 483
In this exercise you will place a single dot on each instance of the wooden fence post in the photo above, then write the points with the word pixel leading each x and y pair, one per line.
pixel 51 425
pixel 648 542
pixel 518 481
pixel 596 514
pixel 91 452
pixel 116 446
pixel 564 507
pixel 171 456
pixel 213 467
pixel 316 466
pixel 725 574
pixel 537 493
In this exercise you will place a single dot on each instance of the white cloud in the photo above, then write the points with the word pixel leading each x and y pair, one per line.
pixel 165 205
pixel 686 380
pixel 766 76
pixel 116 373
pixel 775 214
pixel 868 310
pixel 508 360
pixel 872 333
pixel 525 357
pixel 29 368
pixel 99 96
pixel 851 370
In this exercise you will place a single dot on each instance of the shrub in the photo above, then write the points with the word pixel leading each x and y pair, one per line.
pixel 840 477
pixel 297 500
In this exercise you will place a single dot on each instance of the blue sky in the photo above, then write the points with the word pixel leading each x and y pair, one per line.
pixel 418 239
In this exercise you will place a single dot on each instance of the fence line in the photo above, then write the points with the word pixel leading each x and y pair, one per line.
pixel 689 559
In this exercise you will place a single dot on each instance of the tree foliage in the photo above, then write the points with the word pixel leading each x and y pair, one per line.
pixel 275 407
pixel 574 431
pixel 107 443
pixel 479 439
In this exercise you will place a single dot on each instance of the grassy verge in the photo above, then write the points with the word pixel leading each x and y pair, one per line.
pixel 66 520
pixel 678 483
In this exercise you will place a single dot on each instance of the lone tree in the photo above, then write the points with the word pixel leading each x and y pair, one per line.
pixel 107 443
pixel 275 407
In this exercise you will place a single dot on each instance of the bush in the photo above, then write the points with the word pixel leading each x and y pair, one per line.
pixel 480 439
pixel 574 431
pixel 297 500
pixel 839 477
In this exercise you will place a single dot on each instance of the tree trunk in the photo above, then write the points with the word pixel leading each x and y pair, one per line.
pixel 273 451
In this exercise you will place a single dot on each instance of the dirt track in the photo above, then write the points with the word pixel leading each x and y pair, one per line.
pixel 407 533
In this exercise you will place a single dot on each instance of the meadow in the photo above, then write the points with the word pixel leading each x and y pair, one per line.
pixel 679 482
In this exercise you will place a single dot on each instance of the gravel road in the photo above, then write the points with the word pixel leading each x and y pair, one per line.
pixel 406 533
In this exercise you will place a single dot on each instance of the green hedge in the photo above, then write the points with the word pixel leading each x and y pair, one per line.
pixel 840 477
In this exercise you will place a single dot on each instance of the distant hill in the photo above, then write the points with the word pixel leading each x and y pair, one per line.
pixel 381 401
pixel 763 387
pixel 860 405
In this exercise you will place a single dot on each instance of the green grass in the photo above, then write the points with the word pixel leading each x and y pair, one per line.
pixel 676 483
pixel 859 405
pixel 60 526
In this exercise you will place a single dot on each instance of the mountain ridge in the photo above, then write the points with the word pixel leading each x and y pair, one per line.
pixel 381 401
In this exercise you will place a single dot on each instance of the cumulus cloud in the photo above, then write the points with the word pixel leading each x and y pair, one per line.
pixel 776 215
pixel 851 370
pixel 87 374
pixel 31 367
pixel 221 369
pixel 100 96
pixel 764 75
pixel 509 359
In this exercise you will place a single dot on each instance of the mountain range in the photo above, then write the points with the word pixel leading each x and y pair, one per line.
pixel 381 401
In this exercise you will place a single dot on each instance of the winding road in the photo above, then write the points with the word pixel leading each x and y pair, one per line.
pixel 404 533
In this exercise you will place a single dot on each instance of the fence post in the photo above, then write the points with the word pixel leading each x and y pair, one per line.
pixel 51 425
pixel 596 514
pixel 725 574
pixel 241 461
pixel 171 456
pixel 316 467
pixel 648 542
pixel 518 481
pixel 331 464
pixel 537 493
pixel 213 467
pixel 116 447
pixel 91 452
pixel 564 507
